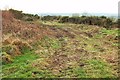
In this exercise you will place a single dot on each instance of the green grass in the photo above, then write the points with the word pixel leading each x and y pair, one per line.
pixel 49 42
pixel 99 69
pixel 103 32
pixel 20 65
pixel 79 72
pixel 110 32
pixel 76 72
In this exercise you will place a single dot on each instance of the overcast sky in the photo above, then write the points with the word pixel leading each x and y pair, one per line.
pixel 62 6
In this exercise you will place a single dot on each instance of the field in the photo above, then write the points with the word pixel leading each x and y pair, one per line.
pixel 48 49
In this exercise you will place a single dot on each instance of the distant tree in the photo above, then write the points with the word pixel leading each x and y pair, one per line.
pixel 103 17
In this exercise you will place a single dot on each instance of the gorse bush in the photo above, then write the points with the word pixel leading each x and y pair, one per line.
pixel 50 18
pixel 23 16
pixel 90 20
pixel 17 14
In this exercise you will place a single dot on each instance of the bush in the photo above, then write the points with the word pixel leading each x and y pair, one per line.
pixel 90 20
pixel 17 14
pixel 50 18
pixel 23 16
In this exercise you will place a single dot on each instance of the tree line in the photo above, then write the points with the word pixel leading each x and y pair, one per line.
pixel 104 21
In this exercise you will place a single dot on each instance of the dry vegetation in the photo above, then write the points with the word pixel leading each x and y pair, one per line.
pixel 37 49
